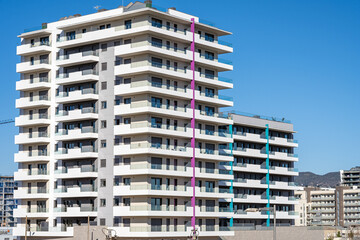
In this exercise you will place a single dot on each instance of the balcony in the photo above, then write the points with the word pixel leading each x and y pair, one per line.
pixel 38 212
pixel 33 156
pixel 212 80
pixel 76 134
pixel 261 138
pixel 34 49
pixel 31 102
pixel 262 168
pixel 31 193
pixel 31 120
pixel 71 192
pixel 83 211
pixel 211 61
pixel 33 84
pixel 158 88
pixel 77 115
pixel 142 107
pixel 213 154
pixel 35 66
pixel 208 135
pixel 147 127
pixel 34 174
pixel 31 138
pixel 78 58
pixel 210 116
pixel 95 34
pixel 149 148
pixel 222 46
pixel 44 231
pixel 261 153
pixel 145 66
pixel 142 168
pixel 87 94
pixel 76 153
pixel 143 189
pixel 85 171
pixel 222 101
pixel 77 77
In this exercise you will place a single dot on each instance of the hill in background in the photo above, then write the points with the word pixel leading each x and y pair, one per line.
pixel 330 179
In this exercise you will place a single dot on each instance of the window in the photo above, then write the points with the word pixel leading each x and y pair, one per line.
pixel 103 143
pixel 156 122
pixel 209 55
pixel 117 43
pixel 127 24
pixel 102 27
pixel 116 200
pixel 175 27
pixel 103 85
pixel 127 120
pixel 103 163
pixel 156 163
pixel 156 82
pixel 84 30
pixel 103 105
pixel 156 102
pixel 156 23
pixel 126 202
pixel 103 124
pixel 126 222
pixel 108 25
pixel 156 204
pixel 127 61
pixel 103 183
pixel 156 224
pixel 127 161
pixel 104 47
pixel 127 100
pixel 209 37
pixel 127 80
pixel 102 203
pixel 156 183
pixel 127 141
pixel 127 181
pixel 103 66
pixel 127 41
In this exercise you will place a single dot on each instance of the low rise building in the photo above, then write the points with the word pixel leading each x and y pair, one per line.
pixel 338 206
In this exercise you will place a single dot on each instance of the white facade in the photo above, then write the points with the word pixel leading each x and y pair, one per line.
pixel 104 126
pixel 338 206
pixel 250 170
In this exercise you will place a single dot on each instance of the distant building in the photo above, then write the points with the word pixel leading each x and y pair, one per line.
pixel 350 177
pixel 301 208
pixel 338 206
pixel 7 201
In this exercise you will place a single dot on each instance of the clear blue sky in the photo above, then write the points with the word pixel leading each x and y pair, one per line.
pixel 298 59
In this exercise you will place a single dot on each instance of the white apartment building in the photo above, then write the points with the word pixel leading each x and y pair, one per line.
pixel 350 177
pixel 338 206
pixel 264 170
pixel 302 208
pixel 120 124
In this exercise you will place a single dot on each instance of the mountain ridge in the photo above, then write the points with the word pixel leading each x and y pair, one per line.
pixel 331 179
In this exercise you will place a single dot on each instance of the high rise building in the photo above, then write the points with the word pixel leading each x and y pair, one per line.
pixel 7 201
pixel 264 170
pixel 350 177
pixel 120 125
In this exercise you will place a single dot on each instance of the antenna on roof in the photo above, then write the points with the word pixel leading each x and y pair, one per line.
pixel 97 7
